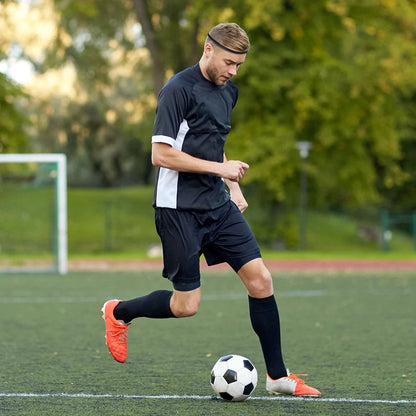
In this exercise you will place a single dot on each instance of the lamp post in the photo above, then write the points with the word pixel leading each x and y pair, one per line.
pixel 303 148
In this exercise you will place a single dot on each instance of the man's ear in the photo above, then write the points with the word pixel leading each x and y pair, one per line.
pixel 208 50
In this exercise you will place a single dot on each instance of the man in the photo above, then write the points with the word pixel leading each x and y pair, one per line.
pixel 194 213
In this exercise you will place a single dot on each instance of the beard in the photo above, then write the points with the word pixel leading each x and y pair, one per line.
pixel 215 76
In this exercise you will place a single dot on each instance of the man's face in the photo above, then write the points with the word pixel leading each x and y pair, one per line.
pixel 222 65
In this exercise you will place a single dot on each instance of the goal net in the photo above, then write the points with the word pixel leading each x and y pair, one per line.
pixel 33 213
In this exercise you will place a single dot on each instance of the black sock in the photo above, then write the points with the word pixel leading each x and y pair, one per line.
pixel 153 305
pixel 266 324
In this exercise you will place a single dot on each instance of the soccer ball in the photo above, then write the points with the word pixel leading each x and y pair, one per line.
pixel 234 378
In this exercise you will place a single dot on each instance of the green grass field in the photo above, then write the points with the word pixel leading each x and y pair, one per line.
pixel 353 333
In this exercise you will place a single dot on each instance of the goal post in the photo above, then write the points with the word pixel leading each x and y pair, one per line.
pixel 58 217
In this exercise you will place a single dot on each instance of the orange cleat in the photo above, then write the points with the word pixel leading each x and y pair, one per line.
pixel 115 332
pixel 292 385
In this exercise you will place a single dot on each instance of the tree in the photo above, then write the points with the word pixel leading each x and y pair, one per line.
pixel 13 136
pixel 98 115
pixel 338 73
pixel 333 73
pixel 170 33
pixel 119 71
pixel 13 121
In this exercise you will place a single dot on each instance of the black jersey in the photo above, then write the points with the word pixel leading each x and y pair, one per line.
pixel 193 115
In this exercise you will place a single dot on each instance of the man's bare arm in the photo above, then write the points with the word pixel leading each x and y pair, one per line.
pixel 166 156
pixel 235 193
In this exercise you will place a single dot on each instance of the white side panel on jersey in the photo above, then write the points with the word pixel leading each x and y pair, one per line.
pixel 167 185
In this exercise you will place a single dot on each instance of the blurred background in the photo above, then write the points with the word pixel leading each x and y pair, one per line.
pixel 326 118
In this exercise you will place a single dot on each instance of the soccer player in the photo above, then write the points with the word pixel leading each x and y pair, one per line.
pixel 198 206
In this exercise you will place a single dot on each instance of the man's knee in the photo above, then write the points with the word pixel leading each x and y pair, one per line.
pixel 257 279
pixel 185 304
pixel 261 285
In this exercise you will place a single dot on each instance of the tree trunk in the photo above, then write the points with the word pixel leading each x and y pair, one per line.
pixel 158 67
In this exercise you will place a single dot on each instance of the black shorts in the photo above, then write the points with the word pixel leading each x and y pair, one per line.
pixel 222 235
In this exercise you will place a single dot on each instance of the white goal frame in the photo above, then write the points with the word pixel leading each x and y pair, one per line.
pixel 61 255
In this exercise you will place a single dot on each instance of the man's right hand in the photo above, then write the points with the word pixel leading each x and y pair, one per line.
pixel 234 170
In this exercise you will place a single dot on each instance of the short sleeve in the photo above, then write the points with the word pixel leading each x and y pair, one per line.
pixel 170 112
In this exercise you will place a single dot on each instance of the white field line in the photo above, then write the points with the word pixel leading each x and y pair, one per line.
pixel 197 397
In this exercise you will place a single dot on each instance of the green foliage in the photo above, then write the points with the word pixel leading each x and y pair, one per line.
pixel 13 136
pixel 175 31
pixel 92 26
pixel 104 130
pixel 337 73
pixel 101 152
pixel 333 73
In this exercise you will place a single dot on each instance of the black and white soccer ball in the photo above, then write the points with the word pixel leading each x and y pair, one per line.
pixel 234 378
